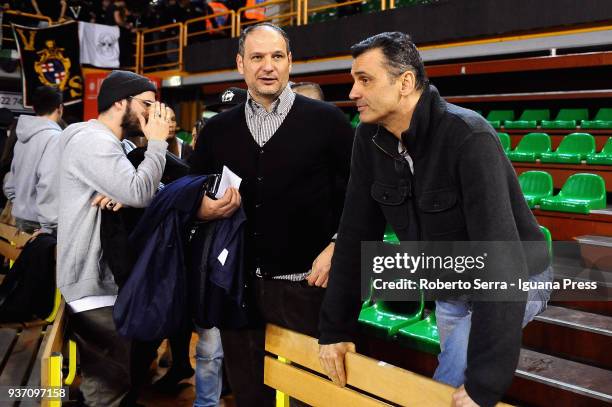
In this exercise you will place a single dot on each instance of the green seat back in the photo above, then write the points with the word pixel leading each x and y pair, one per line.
pixel 538 183
pixel 573 114
pixel 534 142
pixel 584 186
pixel 547 236
pixel 535 114
pixel 500 115
pixel 605 113
pixel 577 143
pixel 607 148
pixel 504 138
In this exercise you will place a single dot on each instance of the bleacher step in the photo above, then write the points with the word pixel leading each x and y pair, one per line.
pixel 580 384
pixel 572 334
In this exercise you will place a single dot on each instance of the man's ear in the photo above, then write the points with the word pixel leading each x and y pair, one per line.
pixel 408 84
pixel 240 64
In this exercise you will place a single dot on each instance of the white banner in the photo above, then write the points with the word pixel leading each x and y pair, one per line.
pixel 99 45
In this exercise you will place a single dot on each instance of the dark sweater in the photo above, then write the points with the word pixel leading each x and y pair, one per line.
pixel 463 189
pixel 290 188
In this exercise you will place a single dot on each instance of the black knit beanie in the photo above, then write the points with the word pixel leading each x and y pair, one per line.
pixel 119 85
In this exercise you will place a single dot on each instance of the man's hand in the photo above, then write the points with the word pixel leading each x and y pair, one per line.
pixel 105 202
pixel 332 360
pixel 157 127
pixel 320 267
pixel 211 209
pixel 462 399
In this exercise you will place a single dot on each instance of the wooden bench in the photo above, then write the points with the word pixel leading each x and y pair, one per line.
pixel 23 346
pixel 296 372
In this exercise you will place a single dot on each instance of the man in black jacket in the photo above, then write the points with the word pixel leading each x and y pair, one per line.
pixel 291 153
pixel 434 172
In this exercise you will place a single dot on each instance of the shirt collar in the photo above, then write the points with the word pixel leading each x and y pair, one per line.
pixel 280 106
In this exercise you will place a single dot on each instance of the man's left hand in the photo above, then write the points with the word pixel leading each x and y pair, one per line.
pixel 105 202
pixel 320 267
pixel 462 399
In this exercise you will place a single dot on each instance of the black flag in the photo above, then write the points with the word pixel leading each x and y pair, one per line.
pixel 50 56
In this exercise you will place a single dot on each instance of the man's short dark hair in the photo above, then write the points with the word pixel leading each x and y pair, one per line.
pixel 309 85
pixel 46 99
pixel 252 28
pixel 399 50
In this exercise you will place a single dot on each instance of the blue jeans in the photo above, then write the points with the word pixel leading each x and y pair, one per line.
pixel 209 376
pixel 454 319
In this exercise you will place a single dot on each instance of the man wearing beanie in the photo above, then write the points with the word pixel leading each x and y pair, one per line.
pixel 95 174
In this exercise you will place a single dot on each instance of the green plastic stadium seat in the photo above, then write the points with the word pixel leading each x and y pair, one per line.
pixel 602 120
pixel 566 119
pixel 531 147
pixel 581 194
pixel 355 122
pixel 504 138
pixel 604 157
pixel 536 185
pixel 572 150
pixel 385 318
pixel 422 335
pixel 390 236
pixel 497 117
pixel 529 119
pixel 547 236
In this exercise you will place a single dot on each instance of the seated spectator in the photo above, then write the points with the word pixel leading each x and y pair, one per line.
pixel 175 145
pixel 309 89
pixel 31 185
pixel 54 9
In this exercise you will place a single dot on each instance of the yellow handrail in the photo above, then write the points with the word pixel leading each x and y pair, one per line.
pixel 232 19
pixel 178 49
pixel 296 13
pixel 307 10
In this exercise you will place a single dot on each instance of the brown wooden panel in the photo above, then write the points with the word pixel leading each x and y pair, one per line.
pixel 12 234
pixel 521 64
pixel 561 172
pixel 555 139
pixel 566 226
pixel 17 368
pixel 520 97
pixel 598 307
pixel 9 251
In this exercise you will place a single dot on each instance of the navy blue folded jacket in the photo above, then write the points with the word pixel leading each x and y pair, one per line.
pixel 155 299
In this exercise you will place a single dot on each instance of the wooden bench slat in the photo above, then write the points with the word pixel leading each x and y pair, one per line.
pixel 384 380
pixel 312 389
pixel 7 337
pixel 20 360
pixel 9 251
pixel 12 234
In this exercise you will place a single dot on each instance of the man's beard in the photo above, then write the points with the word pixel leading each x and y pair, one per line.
pixel 130 123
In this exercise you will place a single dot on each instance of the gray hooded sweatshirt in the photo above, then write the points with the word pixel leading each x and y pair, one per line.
pixel 31 184
pixel 93 161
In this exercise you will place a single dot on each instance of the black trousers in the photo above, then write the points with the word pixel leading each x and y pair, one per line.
pixel 104 357
pixel 293 305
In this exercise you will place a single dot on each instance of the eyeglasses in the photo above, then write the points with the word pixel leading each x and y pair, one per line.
pixel 147 103
pixel 398 156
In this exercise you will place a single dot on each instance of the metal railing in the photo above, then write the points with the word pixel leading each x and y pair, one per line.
pixel 338 6
pixel 294 16
pixel 134 61
pixel 163 46
pixel 19 18
pixel 193 27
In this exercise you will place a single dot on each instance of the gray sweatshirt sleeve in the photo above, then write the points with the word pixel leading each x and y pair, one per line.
pixel 47 193
pixel 103 165
pixel 9 185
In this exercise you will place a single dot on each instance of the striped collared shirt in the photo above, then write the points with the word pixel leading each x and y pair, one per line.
pixel 263 124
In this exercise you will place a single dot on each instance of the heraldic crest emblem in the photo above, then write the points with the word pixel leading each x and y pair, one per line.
pixel 53 68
